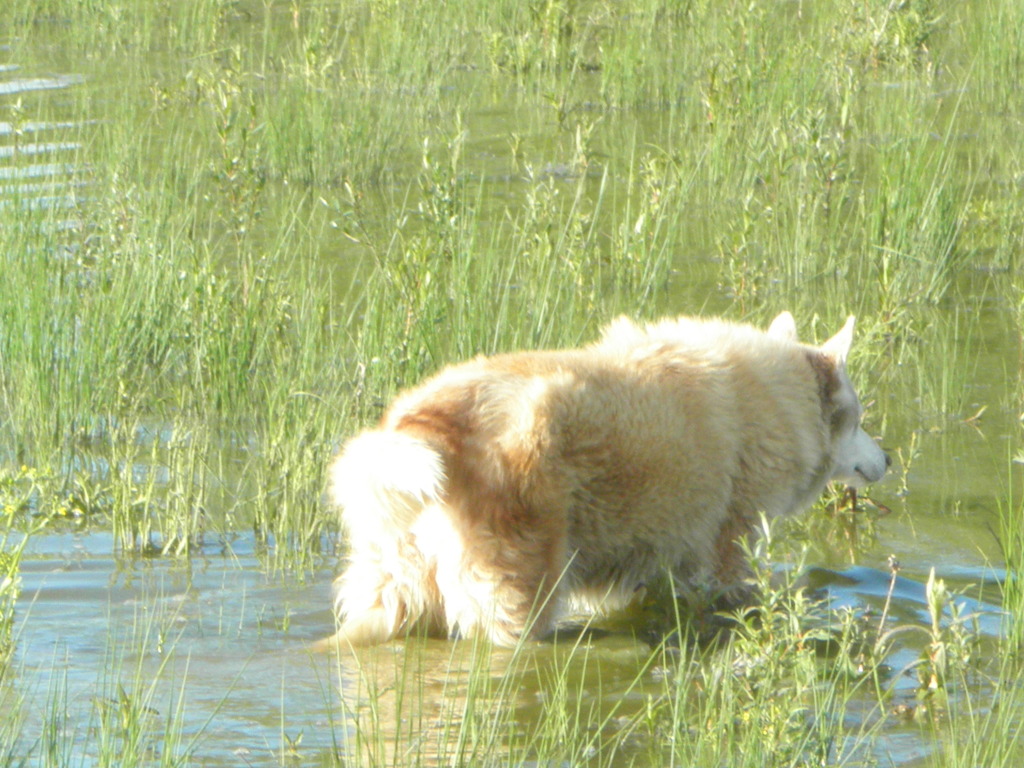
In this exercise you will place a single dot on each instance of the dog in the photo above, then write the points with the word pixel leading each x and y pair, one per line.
pixel 506 489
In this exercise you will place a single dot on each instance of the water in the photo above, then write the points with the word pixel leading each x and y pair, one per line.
pixel 216 650
pixel 211 640
pixel 33 170
pixel 221 651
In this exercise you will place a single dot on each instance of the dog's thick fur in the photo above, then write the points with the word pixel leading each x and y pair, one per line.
pixel 505 488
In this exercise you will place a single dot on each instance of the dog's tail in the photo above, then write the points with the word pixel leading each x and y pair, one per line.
pixel 382 482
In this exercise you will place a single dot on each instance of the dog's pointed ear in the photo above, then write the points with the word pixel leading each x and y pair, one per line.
pixel 838 347
pixel 783 327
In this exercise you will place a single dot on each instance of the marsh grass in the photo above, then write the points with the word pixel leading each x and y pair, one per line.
pixel 1011 543
pixel 279 214
pixel 10 557
pixel 770 698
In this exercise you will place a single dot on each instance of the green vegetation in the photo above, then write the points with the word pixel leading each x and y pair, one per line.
pixel 228 246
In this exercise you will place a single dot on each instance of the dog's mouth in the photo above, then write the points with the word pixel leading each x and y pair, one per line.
pixel 864 478
pixel 873 474
pixel 856 477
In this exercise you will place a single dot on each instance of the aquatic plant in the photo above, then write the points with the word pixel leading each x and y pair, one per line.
pixel 229 243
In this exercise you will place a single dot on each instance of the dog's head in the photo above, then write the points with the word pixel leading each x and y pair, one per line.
pixel 856 459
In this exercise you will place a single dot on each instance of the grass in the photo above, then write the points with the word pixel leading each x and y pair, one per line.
pixel 277 214
pixel 10 557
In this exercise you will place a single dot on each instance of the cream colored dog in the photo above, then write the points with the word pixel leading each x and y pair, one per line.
pixel 505 489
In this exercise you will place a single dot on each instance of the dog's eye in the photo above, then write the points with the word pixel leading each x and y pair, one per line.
pixel 844 420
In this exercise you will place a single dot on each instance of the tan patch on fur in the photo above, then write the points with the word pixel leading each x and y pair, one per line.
pixel 441 424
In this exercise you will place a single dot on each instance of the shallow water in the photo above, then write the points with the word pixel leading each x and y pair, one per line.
pixel 214 649
pixel 233 641
pixel 221 652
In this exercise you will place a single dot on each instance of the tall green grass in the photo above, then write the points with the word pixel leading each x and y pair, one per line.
pixel 293 210
pixel 12 545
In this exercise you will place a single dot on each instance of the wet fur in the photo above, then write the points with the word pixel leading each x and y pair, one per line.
pixel 507 489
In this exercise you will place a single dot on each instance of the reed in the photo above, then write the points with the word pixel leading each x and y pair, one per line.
pixel 276 215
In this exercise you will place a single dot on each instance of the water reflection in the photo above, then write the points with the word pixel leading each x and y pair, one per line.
pixel 432 702
pixel 26 84
pixel 62 181
pixel 28 150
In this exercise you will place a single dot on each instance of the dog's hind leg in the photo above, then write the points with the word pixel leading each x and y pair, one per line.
pixel 383 595
pixel 501 587
pixel 383 482
pixel 369 606
pixel 502 608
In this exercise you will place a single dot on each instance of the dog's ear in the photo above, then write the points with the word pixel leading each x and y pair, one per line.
pixel 783 327
pixel 838 347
